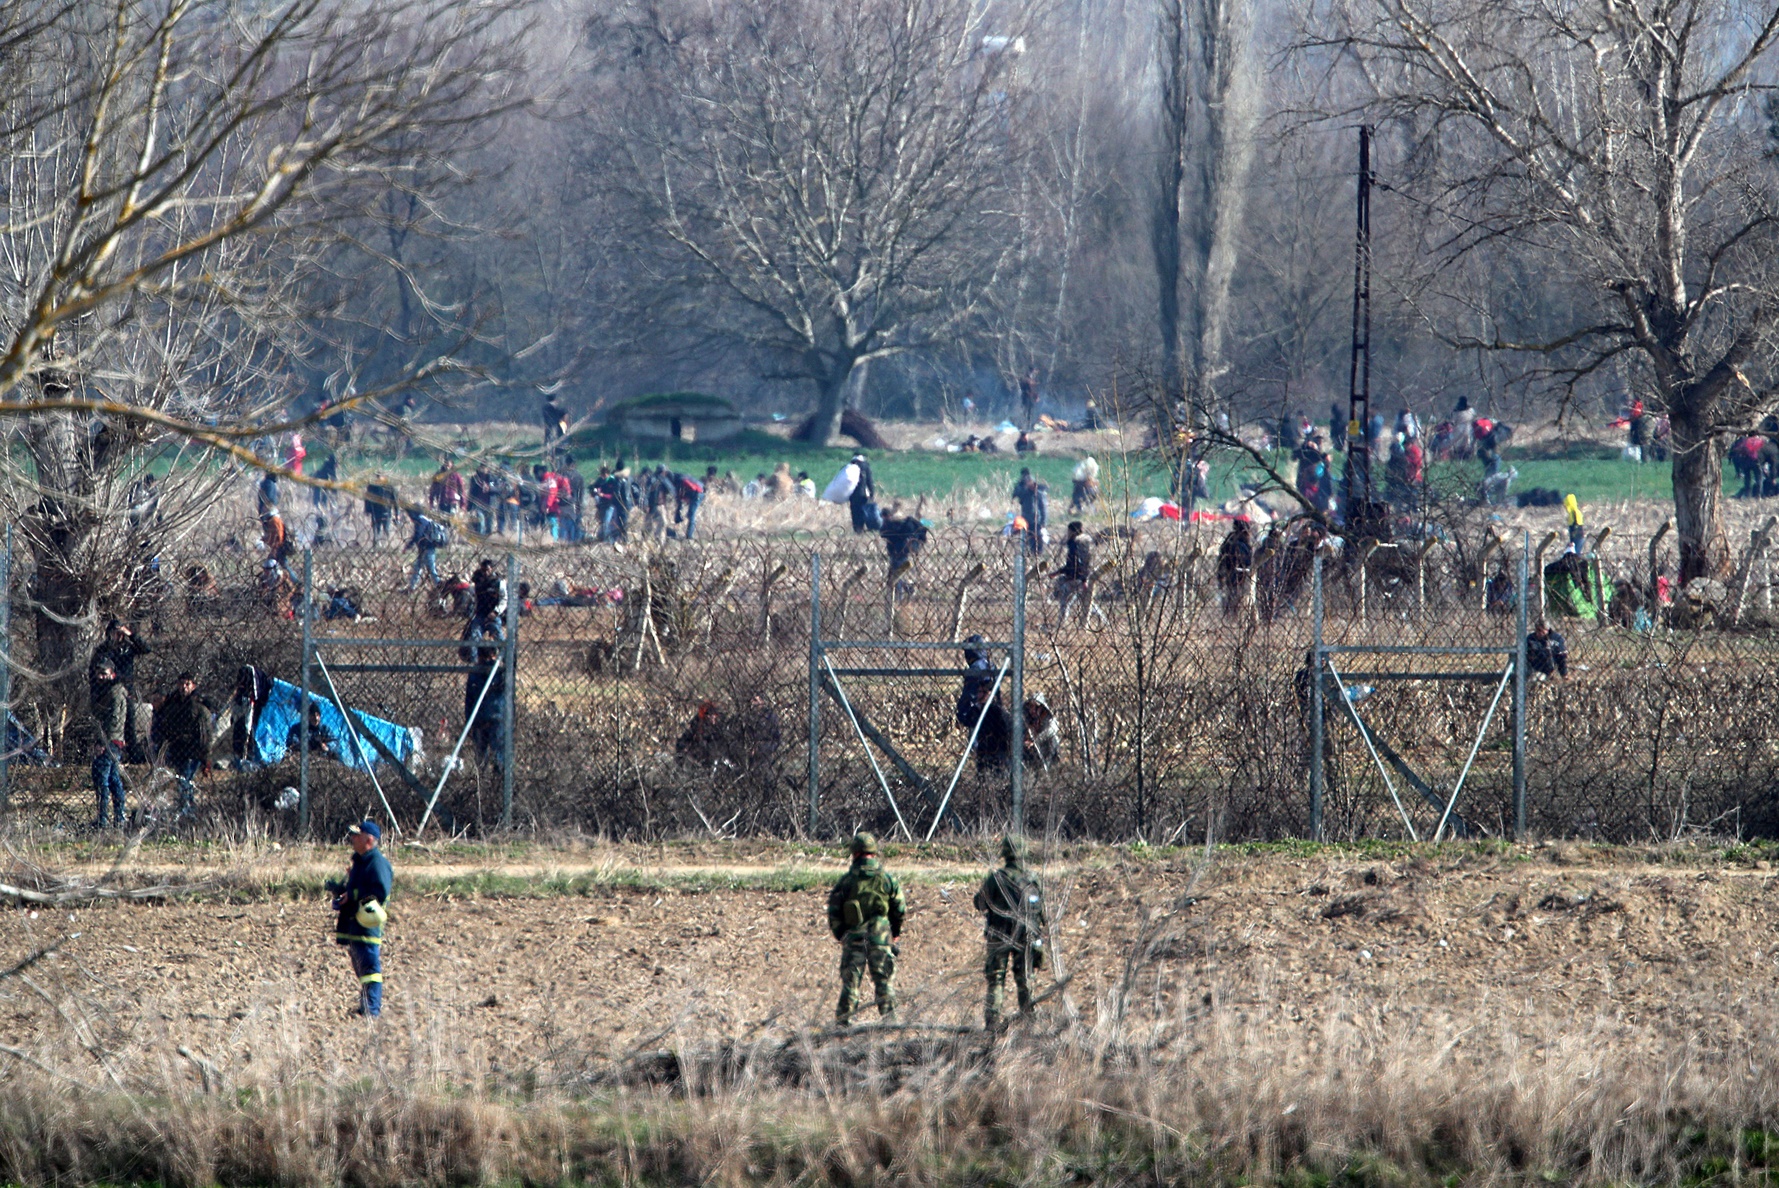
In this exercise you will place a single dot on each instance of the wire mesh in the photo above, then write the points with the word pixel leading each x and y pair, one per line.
pixel 662 689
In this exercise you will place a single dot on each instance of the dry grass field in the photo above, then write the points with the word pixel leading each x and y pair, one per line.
pixel 663 1014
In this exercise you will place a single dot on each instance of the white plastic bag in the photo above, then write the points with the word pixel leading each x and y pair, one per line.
pixel 841 489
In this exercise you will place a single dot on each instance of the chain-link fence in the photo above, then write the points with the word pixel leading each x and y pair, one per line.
pixel 664 689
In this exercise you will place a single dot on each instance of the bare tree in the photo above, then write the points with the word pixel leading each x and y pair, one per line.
pixel 816 181
pixel 1620 154
pixel 1207 111
pixel 175 172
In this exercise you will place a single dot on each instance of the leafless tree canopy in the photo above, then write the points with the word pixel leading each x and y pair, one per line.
pixel 1622 156
pixel 176 175
pixel 821 184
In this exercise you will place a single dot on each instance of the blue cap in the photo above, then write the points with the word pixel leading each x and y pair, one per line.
pixel 367 826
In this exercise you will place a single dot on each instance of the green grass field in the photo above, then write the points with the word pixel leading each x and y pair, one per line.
pixel 1592 471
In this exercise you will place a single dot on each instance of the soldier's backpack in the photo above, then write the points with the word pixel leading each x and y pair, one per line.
pixel 1020 914
pixel 870 899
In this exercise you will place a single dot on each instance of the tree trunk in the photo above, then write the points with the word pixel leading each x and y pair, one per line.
pixel 59 528
pixel 1698 498
pixel 841 390
pixel 62 608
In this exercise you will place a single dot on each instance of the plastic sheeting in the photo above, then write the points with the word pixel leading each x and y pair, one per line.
pixel 284 708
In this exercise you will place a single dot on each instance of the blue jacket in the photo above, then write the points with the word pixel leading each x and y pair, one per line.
pixel 370 878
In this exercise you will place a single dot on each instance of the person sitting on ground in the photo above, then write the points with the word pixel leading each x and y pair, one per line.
pixel 276 587
pixel 202 592
pixel 806 485
pixel 1546 653
pixel 779 484
pixel 344 602
pixel 320 737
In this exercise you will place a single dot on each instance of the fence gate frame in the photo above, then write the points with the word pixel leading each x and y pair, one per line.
pixel 824 677
pixel 312 661
pixel 1321 671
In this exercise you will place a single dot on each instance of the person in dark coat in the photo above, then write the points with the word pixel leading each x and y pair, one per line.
pixel 321 739
pixel 555 420
pixel 111 708
pixel 980 700
pixel 1235 561
pixel 379 503
pixel 181 734
pixel 903 537
pixel 1546 653
pixel 253 689
pixel 489 591
pixel 1076 571
pixel 119 648
pixel 485 711
pixel 994 740
pixel 863 494
pixel 483 498
pixel 362 900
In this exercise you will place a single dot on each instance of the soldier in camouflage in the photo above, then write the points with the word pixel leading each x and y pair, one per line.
pixel 1012 901
pixel 865 912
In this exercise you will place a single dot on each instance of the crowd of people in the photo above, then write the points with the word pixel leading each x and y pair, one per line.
pixel 178 731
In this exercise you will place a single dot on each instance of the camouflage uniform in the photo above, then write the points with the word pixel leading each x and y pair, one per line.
pixel 1013 902
pixel 866 932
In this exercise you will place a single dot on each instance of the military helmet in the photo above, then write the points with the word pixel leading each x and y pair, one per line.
pixel 1013 848
pixel 864 843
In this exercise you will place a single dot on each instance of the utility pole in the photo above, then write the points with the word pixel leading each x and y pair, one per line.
pixel 1358 494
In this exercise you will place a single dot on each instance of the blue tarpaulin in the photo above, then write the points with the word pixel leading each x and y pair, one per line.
pixel 284 710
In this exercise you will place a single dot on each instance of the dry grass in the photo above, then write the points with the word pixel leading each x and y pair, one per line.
pixel 1069 1106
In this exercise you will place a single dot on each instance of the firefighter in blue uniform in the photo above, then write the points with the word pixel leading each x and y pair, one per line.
pixel 361 901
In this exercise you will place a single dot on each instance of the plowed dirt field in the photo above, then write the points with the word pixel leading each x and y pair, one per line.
pixel 1545 948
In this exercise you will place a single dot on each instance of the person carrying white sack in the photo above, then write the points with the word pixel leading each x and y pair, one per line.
pixel 1087 485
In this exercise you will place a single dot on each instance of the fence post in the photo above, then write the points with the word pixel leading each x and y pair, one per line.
pixel 510 663
pixel 815 709
pixel 303 717
pixel 1316 725
pixel 1519 702
pixel 6 673
pixel 1017 757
